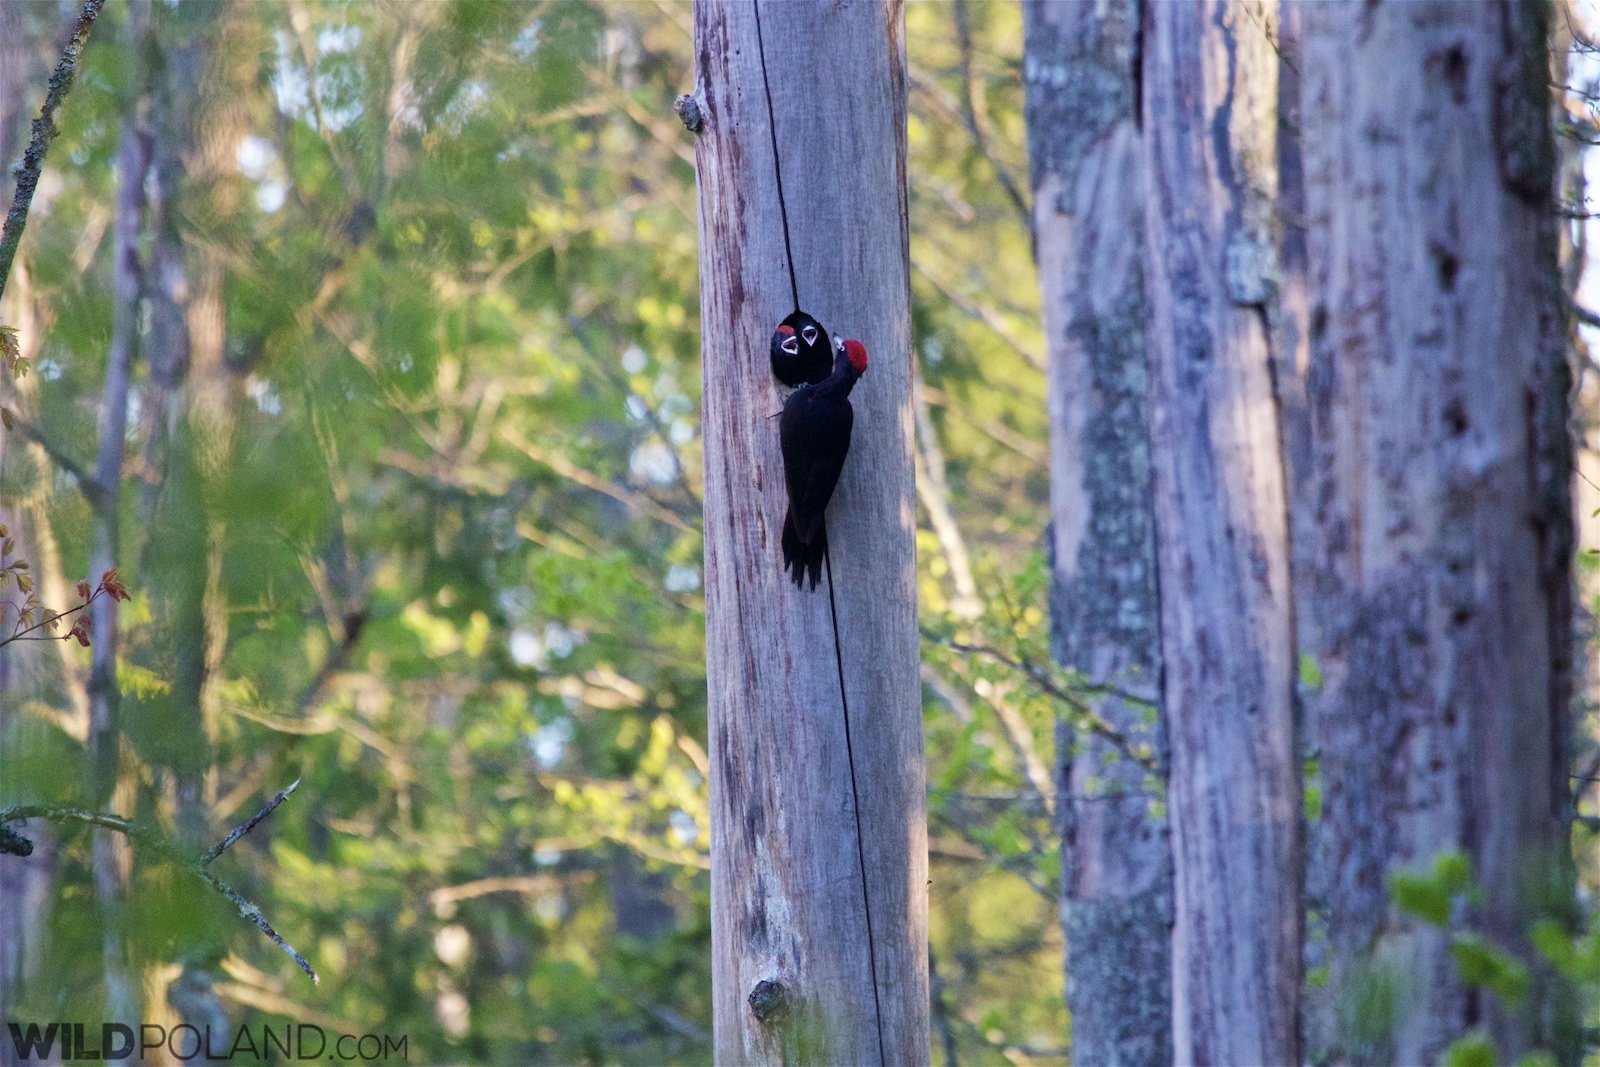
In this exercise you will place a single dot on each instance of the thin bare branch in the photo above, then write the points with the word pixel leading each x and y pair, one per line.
pixel 15 843
pixel 252 913
pixel 58 456
pixel 969 114
pixel 300 20
pixel 982 312
pixel 589 480
pixel 1582 314
pixel 1041 678
pixel 222 846
pixel 934 490
pixel 993 429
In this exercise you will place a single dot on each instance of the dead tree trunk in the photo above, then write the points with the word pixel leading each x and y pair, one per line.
pixel 1210 122
pixel 1437 395
pixel 1088 194
pixel 819 870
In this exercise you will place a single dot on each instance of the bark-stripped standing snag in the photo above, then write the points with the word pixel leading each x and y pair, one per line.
pixel 1440 600
pixel 795 976
pixel 1227 647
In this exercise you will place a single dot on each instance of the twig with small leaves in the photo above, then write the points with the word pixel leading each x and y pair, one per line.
pixel 16 844
pixel 32 616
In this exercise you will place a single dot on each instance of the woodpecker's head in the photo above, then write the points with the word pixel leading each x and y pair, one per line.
pixel 787 341
pixel 858 355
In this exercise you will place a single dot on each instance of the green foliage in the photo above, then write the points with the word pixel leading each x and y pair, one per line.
pixel 1312 774
pixel 1310 673
pixel 435 539
pixel 1430 895
pixel 1485 965
pixel 1368 1006
pixel 1444 897
pixel 1474 1050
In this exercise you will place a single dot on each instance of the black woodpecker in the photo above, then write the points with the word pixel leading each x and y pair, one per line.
pixel 814 430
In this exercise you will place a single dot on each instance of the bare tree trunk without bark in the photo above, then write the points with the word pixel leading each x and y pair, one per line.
pixel 1116 870
pixel 1210 119
pixel 790 901
pixel 1437 395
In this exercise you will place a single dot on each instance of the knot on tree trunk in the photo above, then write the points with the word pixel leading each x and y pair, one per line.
pixel 769 1000
pixel 13 843
pixel 688 108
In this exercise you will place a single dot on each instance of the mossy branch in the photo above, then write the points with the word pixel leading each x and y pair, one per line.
pixel 44 132
pixel 16 844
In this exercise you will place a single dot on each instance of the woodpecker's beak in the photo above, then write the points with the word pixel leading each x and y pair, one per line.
pixel 809 333
pixel 790 345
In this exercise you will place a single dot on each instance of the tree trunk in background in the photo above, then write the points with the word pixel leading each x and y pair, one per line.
pixel 206 68
pixel 24 38
pixel 1116 868
pixel 24 883
pixel 109 790
pixel 198 121
pixel 1442 463
pixel 172 497
pixel 787 885
pixel 1210 119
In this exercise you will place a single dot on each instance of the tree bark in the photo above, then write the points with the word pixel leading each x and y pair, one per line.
pixel 105 724
pixel 1227 646
pixel 800 870
pixel 1087 176
pixel 1437 394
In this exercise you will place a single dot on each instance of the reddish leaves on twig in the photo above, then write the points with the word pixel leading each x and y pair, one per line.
pixel 32 616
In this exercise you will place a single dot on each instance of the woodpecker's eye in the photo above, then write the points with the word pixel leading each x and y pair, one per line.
pixel 809 333
pixel 790 345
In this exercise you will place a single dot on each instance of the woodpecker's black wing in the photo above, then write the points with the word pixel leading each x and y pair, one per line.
pixel 801 351
pixel 814 431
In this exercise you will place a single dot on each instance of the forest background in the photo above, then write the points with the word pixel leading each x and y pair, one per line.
pixel 410 514
pixel 408 503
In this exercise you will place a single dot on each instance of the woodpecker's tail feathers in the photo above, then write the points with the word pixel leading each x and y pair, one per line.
pixel 800 556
